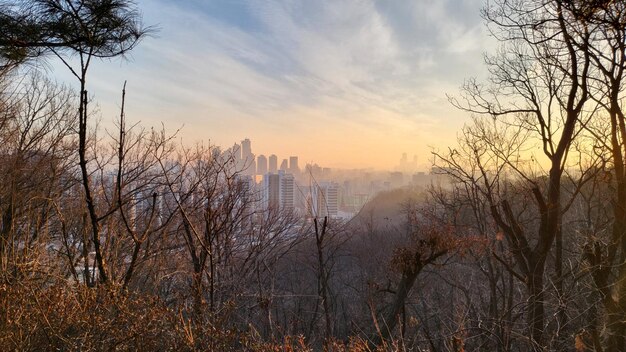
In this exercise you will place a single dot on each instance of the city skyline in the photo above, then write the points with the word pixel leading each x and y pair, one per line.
pixel 259 163
pixel 344 91
pixel 313 191
pixel 371 175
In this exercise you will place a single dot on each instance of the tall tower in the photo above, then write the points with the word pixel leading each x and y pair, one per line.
pixel 236 155
pixel 293 165
pixel 261 165
pixel 236 150
pixel 249 163
pixel 273 165
pixel 271 186
pixel 284 165
pixel 287 191
pixel 246 148
pixel 279 190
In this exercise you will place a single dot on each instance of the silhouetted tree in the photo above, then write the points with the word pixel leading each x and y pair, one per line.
pixel 538 90
pixel 87 29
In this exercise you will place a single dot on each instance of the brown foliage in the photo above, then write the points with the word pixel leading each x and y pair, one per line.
pixel 78 318
pixel 35 317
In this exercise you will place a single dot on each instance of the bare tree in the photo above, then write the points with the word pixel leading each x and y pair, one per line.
pixel 36 149
pixel 539 88
pixel 607 50
pixel 88 29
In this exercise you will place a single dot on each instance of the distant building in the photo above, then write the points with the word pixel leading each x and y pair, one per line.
pixel 246 148
pixel 271 189
pixel 279 190
pixel 284 166
pixel 293 165
pixel 236 151
pixel 248 161
pixel 324 200
pixel 247 185
pixel 440 176
pixel 287 191
pixel 407 166
pixel 273 164
pixel 261 165
pixel 313 170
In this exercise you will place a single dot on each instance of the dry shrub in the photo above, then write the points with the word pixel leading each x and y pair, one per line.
pixel 62 317
pixel 77 318
pixel 67 317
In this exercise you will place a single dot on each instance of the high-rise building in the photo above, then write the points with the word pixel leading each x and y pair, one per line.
pixel 287 191
pixel 279 190
pixel 261 165
pixel 284 166
pixel 248 161
pixel 236 150
pixel 293 165
pixel 246 148
pixel 324 200
pixel 313 170
pixel 233 155
pixel 271 189
pixel 273 163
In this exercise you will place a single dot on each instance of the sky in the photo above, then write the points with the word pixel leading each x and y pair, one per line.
pixel 342 83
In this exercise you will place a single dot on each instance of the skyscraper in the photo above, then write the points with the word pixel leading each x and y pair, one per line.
pixel 287 191
pixel 279 190
pixel 248 161
pixel 235 153
pixel 246 148
pixel 284 166
pixel 261 165
pixel 273 166
pixel 236 150
pixel 271 189
pixel 293 165
pixel 324 200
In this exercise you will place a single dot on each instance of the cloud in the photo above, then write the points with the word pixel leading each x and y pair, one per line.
pixel 224 66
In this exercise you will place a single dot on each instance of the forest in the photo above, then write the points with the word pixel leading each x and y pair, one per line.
pixel 124 238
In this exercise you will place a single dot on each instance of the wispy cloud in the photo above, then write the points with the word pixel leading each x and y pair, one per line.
pixel 295 69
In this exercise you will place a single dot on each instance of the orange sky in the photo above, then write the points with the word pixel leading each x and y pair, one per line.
pixel 345 83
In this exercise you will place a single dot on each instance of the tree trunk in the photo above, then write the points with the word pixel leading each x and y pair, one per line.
pixel 406 283
pixel 536 313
